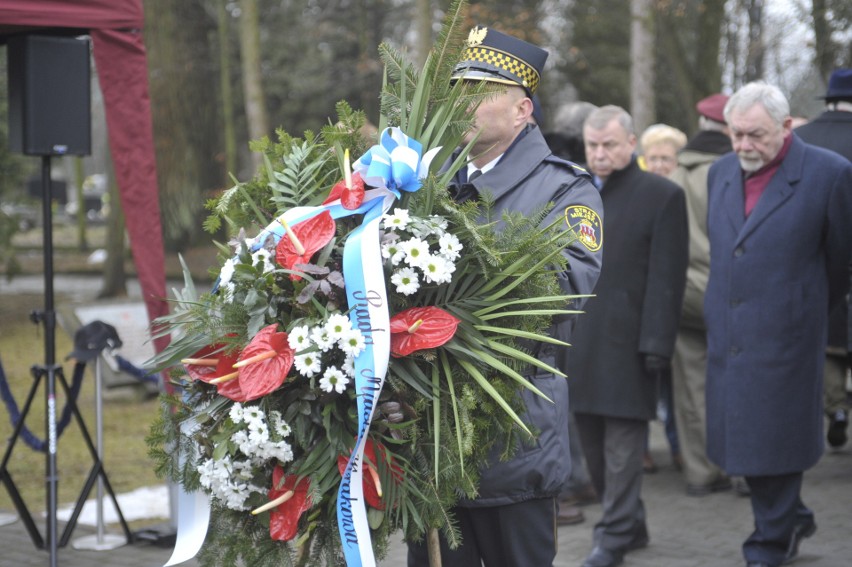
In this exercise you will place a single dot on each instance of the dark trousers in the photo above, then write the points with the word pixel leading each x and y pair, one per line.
pixel 515 535
pixel 777 507
pixel 613 448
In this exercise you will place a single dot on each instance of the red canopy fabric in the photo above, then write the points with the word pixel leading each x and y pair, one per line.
pixel 115 27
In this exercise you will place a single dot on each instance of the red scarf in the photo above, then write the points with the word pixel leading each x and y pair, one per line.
pixel 757 181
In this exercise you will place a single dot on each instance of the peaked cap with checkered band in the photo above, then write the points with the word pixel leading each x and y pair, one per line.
pixel 499 58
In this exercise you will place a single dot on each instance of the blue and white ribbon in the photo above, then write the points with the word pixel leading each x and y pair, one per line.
pixel 396 164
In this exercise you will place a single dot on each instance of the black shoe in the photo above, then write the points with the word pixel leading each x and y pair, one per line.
pixel 757 564
pixel 800 532
pixel 741 486
pixel 640 540
pixel 601 557
pixel 719 485
pixel 837 429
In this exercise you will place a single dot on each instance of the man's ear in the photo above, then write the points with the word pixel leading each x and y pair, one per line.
pixel 525 109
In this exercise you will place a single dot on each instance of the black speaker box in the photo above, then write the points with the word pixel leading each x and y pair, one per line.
pixel 49 95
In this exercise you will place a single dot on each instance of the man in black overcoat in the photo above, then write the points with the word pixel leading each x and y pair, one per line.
pixel 625 339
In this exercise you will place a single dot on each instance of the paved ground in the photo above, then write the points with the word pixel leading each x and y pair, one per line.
pixel 685 532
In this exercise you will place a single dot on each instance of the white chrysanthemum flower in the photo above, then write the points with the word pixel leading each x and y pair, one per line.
pixel 406 281
pixel 226 273
pixel 279 426
pixel 241 440
pixel 299 338
pixel 338 326
pixel 258 434
pixel 307 364
pixel 437 270
pixel 439 222
pixel 322 338
pixel 263 259
pixel 398 220
pixel 280 451
pixel 333 379
pixel 352 343
pixel 416 250
pixel 349 366
pixel 393 251
pixel 236 413
pixel 253 414
pixel 450 246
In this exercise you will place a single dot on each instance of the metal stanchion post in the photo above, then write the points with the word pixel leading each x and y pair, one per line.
pixel 100 541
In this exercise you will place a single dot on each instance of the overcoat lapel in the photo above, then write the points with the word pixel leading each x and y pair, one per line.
pixel 779 189
pixel 733 200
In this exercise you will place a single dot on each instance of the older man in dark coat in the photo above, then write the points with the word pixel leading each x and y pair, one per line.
pixel 780 238
pixel 626 338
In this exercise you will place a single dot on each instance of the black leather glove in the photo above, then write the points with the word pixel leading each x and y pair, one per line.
pixel 656 365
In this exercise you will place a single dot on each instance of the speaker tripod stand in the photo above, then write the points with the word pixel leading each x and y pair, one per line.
pixel 52 374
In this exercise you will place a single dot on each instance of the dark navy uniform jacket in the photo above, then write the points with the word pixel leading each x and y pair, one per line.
pixel 527 178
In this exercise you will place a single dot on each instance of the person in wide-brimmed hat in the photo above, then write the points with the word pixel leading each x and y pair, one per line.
pixel 833 130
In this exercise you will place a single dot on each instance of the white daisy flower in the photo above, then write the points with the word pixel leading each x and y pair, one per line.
pixel 416 250
pixel 236 413
pixel 299 338
pixel 279 426
pixel 450 246
pixel 338 326
pixel 398 220
pixel 322 338
pixel 406 281
pixel 253 414
pixel 393 251
pixel 264 259
pixel 352 342
pixel 438 222
pixel 307 364
pixel 437 270
pixel 333 379
pixel 349 366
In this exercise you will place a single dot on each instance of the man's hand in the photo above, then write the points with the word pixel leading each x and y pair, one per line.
pixel 656 365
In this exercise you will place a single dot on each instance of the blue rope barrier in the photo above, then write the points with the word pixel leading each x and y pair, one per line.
pixel 28 436
pixel 139 373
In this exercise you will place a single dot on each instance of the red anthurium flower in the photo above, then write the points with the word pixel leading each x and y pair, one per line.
pixel 419 328
pixel 263 365
pixel 210 364
pixel 293 502
pixel 202 365
pixel 370 476
pixel 350 197
pixel 303 240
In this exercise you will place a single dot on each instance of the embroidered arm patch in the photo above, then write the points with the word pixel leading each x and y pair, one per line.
pixel 587 224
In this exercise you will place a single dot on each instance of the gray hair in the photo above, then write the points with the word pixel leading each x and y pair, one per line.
pixel 758 92
pixel 599 118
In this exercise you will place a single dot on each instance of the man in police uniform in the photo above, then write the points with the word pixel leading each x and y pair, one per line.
pixel 512 521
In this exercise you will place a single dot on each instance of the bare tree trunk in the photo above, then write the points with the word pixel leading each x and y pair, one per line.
pixel 227 94
pixel 424 29
pixel 252 77
pixel 642 100
pixel 79 178
pixel 754 57
pixel 115 277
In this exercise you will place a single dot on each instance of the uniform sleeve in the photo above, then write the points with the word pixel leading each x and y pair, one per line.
pixel 583 212
pixel 668 259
